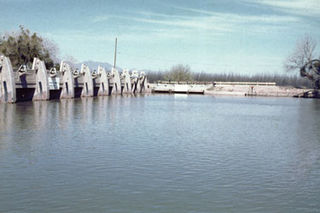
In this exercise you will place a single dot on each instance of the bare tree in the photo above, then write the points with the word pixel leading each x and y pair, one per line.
pixel 179 73
pixel 52 48
pixel 303 53
pixel 71 60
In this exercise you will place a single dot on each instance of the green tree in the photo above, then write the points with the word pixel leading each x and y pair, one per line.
pixel 23 46
pixel 179 73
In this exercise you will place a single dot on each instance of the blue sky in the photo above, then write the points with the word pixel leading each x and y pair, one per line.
pixel 239 36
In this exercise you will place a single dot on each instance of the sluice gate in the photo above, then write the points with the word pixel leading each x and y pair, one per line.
pixel 38 83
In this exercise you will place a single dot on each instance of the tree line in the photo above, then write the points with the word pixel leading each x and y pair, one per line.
pixel 279 79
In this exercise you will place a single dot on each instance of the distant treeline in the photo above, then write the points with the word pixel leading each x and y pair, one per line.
pixel 280 79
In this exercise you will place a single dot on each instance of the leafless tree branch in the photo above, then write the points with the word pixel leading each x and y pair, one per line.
pixel 303 53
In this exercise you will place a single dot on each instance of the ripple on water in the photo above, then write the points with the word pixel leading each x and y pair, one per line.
pixel 160 153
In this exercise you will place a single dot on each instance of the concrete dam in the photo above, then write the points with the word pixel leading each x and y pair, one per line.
pixel 38 83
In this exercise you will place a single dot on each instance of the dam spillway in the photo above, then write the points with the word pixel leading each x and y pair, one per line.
pixel 38 83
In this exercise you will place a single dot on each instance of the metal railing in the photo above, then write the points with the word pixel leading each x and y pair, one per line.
pixel 246 83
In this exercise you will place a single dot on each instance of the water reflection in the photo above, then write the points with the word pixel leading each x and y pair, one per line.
pixel 165 152
pixel 307 155
pixel 181 96
pixel 66 115
pixel 7 125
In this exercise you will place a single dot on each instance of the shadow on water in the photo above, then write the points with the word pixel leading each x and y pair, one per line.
pixel 308 138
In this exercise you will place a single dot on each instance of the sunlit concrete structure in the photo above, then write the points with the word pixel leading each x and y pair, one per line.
pixel 38 83
pixel 135 81
pixel 67 81
pixel 143 83
pixel 125 82
pixel 87 90
pixel 103 82
pixel 115 82
pixel 7 83
pixel 179 87
pixel 42 84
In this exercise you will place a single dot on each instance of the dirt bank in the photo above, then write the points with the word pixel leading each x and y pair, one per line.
pixel 257 90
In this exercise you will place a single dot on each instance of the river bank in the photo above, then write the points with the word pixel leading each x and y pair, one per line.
pixel 229 88
pixel 257 90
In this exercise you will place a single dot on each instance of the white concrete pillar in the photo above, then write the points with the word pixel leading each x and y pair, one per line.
pixel 135 81
pixel 87 90
pixel 126 81
pixel 144 87
pixel 104 82
pixel 67 81
pixel 42 85
pixel 7 83
pixel 116 89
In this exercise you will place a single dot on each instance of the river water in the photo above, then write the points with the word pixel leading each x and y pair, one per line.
pixel 160 153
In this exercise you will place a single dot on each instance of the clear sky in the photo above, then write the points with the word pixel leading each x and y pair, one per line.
pixel 239 36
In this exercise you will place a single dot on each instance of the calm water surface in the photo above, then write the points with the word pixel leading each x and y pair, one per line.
pixel 162 153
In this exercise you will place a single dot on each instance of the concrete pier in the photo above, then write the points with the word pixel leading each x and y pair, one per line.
pixel 87 90
pixel 104 87
pixel 38 83
pixel 135 81
pixel 67 81
pixel 125 82
pixel 115 82
pixel 42 84
pixel 7 83
pixel 143 83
